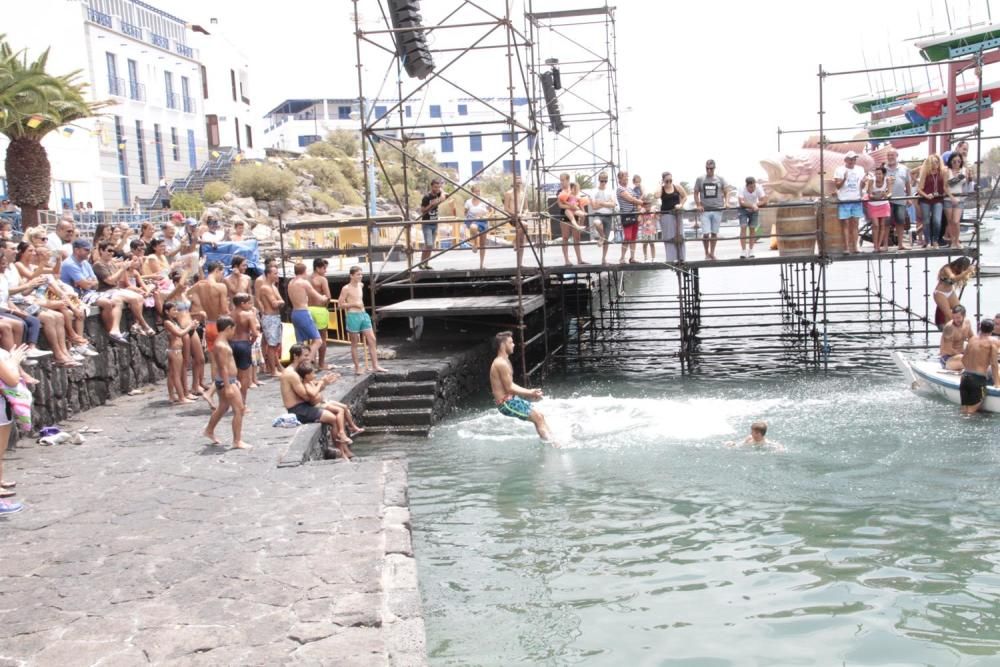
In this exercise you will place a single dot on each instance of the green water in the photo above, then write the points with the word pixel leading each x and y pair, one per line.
pixel 874 540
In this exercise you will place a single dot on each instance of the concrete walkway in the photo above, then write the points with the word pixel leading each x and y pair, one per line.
pixel 147 545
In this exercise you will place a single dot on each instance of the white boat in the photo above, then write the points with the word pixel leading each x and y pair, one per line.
pixel 928 376
pixel 966 229
pixel 989 270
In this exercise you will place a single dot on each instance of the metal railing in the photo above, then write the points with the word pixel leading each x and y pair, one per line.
pixel 116 86
pixel 137 91
pixel 100 18
pixel 171 99
pixel 130 29
pixel 159 40
pixel 184 50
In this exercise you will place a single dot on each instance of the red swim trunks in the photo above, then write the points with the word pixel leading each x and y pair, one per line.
pixel 211 333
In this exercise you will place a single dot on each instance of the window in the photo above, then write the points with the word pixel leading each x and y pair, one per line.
pixel 477 167
pixel 447 143
pixel 463 110
pixel 306 139
pixel 159 150
pixel 175 144
pixel 236 128
pixel 249 136
pixel 204 83
pixel 450 165
pixel 192 156
pixel 512 167
pixel 141 150
pixel 379 112
pixel 122 161
pixel 168 81
pixel 186 95
pixel 507 138
pixel 475 141
pixel 408 110
pixel 435 111
pixel 134 87
pixel 115 86
pixel 344 113
pixel 232 77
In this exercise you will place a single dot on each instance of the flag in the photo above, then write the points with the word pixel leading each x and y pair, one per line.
pixel 35 121
pixel 68 131
pixel 215 154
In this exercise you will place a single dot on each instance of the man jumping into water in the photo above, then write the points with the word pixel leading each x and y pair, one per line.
pixel 512 399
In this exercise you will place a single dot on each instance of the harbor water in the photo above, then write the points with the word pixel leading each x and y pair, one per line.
pixel 873 540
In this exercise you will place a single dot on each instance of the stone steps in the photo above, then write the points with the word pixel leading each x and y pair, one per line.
pixel 383 387
pixel 402 431
pixel 402 417
pixel 399 402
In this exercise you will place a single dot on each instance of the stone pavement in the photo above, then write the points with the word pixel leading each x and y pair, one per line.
pixel 147 545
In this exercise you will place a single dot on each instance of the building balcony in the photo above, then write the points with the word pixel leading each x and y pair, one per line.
pixel 116 86
pixel 184 50
pixel 159 40
pixel 173 100
pixel 136 91
pixel 100 18
pixel 131 30
pixel 188 105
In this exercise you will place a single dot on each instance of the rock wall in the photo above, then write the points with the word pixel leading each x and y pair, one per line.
pixel 461 377
pixel 117 370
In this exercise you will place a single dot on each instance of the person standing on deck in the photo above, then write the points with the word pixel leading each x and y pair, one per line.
pixel 270 303
pixel 751 198
pixel 900 176
pixel 710 192
pixel 300 293
pixel 320 308
pixel 672 198
pixel 604 212
pixel 237 282
pixel 512 399
pixel 226 385
pixel 847 179
pixel 566 202
pixel 477 210
pixel 429 214
pixel 628 205
pixel 514 201
pixel 980 357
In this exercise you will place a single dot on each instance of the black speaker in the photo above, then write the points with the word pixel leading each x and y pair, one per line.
pixel 411 44
pixel 552 102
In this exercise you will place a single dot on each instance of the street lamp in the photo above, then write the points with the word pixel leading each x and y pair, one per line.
pixel 370 163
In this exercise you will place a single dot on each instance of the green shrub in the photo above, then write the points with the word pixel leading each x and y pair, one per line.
pixel 188 203
pixel 328 199
pixel 263 182
pixel 329 177
pixel 214 191
pixel 347 141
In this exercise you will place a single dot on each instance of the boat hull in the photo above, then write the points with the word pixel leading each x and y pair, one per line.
pixel 929 377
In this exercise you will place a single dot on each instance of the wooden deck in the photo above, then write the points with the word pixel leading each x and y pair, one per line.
pixel 463 306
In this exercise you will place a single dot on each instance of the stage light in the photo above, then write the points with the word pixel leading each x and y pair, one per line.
pixel 552 102
pixel 411 44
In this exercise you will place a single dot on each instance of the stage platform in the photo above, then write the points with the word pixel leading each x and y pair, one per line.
pixel 465 306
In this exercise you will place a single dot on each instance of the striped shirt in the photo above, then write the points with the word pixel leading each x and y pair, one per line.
pixel 624 206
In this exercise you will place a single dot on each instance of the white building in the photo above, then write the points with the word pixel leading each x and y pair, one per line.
pixel 149 63
pixel 468 149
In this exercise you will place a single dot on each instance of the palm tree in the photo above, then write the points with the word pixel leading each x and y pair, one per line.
pixel 32 104
pixel 584 181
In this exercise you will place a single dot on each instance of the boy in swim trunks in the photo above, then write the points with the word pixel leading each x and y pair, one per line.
pixel 226 385
pixel 318 307
pixel 301 293
pixel 247 331
pixel 357 321
pixel 270 303
pixel 513 400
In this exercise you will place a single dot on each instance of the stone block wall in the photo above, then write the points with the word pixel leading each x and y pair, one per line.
pixel 117 370
pixel 461 378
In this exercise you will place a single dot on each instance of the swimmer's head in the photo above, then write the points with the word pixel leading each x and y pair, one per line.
pixel 986 327
pixel 758 428
pixel 504 341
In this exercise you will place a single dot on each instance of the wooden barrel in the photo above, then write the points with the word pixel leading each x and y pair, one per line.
pixel 796 230
pixel 832 241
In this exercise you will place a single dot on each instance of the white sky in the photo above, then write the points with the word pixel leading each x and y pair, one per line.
pixel 702 79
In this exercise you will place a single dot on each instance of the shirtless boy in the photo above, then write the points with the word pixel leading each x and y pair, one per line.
pixel 980 355
pixel 299 393
pixel 212 297
pixel 514 203
pixel 247 331
pixel 237 282
pixel 296 357
pixel 758 439
pixel 512 399
pixel 300 293
pixel 357 321
pixel 318 307
pixel 270 303
pixel 226 385
pixel 953 339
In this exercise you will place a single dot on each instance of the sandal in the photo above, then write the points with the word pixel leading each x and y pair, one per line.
pixel 8 494
pixel 8 485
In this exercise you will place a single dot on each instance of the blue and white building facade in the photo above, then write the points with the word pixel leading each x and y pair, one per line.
pixel 149 63
pixel 459 143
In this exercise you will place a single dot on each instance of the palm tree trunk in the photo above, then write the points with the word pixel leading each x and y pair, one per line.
pixel 29 178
